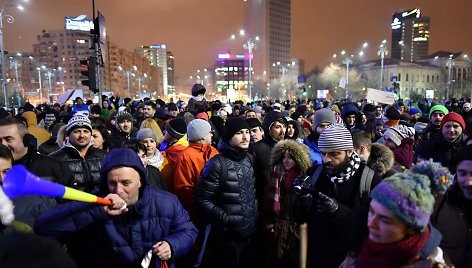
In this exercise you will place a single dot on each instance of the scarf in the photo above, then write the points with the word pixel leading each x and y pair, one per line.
pixel 354 164
pixel 282 181
pixel 391 255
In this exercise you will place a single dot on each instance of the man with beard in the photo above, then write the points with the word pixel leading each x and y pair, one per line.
pixel 79 156
pixel 436 114
pixel 336 209
pixel 123 130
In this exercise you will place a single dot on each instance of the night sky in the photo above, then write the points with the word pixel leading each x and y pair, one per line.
pixel 196 30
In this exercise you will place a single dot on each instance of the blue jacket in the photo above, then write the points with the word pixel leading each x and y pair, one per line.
pixel 122 241
pixel 315 154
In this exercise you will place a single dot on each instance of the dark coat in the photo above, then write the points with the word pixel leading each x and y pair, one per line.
pixel 85 171
pixel 440 150
pixel 453 218
pixel 122 241
pixel 330 237
pixel 117 137
pixel 228 202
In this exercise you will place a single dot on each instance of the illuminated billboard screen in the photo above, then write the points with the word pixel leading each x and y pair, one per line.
pixel 80 23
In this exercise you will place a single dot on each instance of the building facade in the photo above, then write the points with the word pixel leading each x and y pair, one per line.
pixel 410 35
pixel 231 77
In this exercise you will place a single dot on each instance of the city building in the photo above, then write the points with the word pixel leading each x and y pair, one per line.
pixel 159 57
pixel 269 20
pixel 410 35
pixel 230 77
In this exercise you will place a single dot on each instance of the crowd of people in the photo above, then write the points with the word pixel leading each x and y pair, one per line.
pixel 207 184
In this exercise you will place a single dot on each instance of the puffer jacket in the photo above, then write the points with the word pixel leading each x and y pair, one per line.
pixel 228 201
pixel 40 134
pixel 86 170
pixel 117 137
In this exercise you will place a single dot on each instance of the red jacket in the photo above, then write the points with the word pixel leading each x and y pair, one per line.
pixel 186 173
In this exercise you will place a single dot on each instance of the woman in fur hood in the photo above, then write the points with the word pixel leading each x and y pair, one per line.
pixel 289 160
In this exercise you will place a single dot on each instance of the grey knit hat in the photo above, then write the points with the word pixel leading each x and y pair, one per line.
pixel 123 115
pixel 324 115
pixel 335 138
pixel 146 133
pixel 197 129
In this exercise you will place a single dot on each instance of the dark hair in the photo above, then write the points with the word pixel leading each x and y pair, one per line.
pixel 6 153
pixel 106 137
pixel 135 145
pixel 361 138
pixel 464 154
pixel 150 103
pixel 22 128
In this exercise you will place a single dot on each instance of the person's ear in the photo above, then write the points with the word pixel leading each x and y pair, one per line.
pixel 349 153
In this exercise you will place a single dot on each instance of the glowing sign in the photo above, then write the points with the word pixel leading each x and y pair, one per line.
pixel 80 23
pixel 412 13
pixel 396 24
pixel 239 56
pixel 224 56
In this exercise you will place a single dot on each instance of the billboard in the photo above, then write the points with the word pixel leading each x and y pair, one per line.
pixel 80 23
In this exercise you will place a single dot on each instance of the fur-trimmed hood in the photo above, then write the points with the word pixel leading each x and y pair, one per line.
pixel 299 152
pixel 381 158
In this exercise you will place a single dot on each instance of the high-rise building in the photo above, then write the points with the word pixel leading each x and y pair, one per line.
pixel 230 77
pixel 158 57
pixel 410 35
pixel 270 21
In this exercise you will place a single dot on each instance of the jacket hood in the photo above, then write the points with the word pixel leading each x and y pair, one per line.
pixel 31 119
pixel 269 119
pixel 349 108
pixel 381 158
pixel 297 151
pixel 121 157
pixel 296 126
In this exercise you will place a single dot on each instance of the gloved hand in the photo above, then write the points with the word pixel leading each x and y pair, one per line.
pixel 325 204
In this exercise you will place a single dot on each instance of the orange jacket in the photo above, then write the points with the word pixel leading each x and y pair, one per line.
pixel 171 155
pixel 187 173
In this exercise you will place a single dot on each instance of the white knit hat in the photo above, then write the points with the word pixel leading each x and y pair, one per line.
pixel 397 133
pixel 335 138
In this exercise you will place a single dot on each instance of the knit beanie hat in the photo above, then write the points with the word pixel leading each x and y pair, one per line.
pixel 324 115
pixel 253 122
pixel 197 129
pixel 438 108
pixel 335 138
pixel 202 115
pixel 453 117
pixel 398 133
pixel 145 133
pixel 295 115
pixel 176 127
pixel 49 119
pixel 410 195
pixel 413 111
pixel 78 121
pixel 466 105
pixel 391 116
pixel 420 127
pixel 232 126
pixel 122 116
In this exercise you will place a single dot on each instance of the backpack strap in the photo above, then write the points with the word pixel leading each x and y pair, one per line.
pixel 224 169
pixel 316 175
pixel 366 181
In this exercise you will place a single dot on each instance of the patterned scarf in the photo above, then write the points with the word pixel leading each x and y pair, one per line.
pixel 349 171
pixel 281 183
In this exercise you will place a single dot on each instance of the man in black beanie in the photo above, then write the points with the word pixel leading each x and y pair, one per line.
pixel 226 197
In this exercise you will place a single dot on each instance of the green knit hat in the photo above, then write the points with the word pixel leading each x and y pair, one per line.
pixel 440 108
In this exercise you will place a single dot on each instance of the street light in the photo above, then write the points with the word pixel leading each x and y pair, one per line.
pixel 347 60
pixel 382 53
pixel 10 19
pixel 450 63
pixel 284 69
pixel 127 75
pixel 249 45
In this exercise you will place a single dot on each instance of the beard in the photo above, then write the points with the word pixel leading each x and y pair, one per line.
pixel 334 170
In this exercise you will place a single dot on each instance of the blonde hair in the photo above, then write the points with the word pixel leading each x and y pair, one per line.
pixel 152 124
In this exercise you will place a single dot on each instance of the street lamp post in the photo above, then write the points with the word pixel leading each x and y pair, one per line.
pixel 450 63
pixel 249 45
pixel 348 62
pixel 382 53
pixel 40 86
pixel 127 75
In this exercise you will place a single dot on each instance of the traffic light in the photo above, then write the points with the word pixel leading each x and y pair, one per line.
pixel 89 70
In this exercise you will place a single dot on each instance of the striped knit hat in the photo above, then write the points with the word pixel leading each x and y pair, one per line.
pixel 410 195
pixel 78 121
pixel 398 133
pixel 336 138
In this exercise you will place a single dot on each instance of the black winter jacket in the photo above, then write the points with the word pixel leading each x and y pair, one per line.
pixel 85 171
pixel 228 202
pixel 117 138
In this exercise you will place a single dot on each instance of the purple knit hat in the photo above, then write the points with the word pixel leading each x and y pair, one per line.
pixel 410 195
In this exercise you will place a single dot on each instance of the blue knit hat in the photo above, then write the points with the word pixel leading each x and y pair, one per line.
pixel 414 110
pixel 410 195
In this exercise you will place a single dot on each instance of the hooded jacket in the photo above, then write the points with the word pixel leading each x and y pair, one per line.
pixel 381 160
pixel 124 240
pixel 171 155
pixel 262 150
pixel 40 134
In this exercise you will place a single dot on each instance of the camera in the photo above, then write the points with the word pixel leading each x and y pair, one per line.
pixel 302 186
